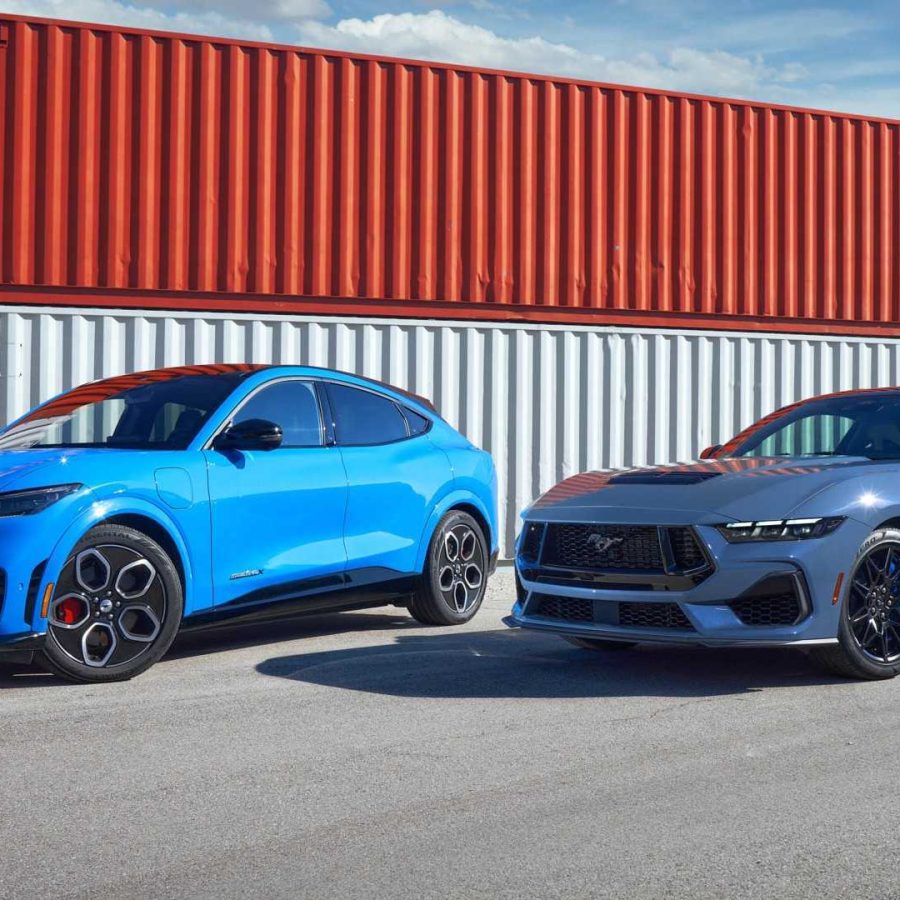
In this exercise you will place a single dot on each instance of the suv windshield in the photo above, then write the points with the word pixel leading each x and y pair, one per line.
pixel 855 425
pixel 160 410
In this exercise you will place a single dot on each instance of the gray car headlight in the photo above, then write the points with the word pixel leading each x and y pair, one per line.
pixel 25 503
pixel 779 529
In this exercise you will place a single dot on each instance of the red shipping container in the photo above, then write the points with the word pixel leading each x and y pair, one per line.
pixel 155 170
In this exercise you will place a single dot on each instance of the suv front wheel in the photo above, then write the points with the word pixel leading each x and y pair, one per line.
pixel 116 609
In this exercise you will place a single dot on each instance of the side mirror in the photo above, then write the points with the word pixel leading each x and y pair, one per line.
pixel 710 452
pixel 252 434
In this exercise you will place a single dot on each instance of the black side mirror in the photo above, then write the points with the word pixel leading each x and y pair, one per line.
pixel 710 452
pixel 252 434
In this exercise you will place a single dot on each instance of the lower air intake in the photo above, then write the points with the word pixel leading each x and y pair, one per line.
pixel 654 615
pixel 571 609
pixel 782 609
pixel 776 600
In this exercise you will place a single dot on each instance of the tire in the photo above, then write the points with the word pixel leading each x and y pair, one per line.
pixel 600 644
pixel 452 587
pixel 116 608
pixel 869 630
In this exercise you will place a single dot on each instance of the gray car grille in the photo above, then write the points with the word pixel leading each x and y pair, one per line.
pixel 603 547
pixel 622 548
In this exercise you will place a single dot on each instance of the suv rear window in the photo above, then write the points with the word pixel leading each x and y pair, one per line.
pixel 364 418
pixel 418 424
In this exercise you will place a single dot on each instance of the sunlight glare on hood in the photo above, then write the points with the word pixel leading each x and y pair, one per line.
pixel 868 499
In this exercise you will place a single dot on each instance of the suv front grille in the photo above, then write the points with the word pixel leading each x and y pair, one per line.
pixel 654 615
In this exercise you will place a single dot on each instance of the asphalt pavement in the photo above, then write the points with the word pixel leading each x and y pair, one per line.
pixel 361 755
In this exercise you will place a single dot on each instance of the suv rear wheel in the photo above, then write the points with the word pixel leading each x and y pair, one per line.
pixel 453 584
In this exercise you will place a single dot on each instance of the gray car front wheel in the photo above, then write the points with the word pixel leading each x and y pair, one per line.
pixel 869 631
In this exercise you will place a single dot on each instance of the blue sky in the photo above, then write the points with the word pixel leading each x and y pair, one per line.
pixel 830 55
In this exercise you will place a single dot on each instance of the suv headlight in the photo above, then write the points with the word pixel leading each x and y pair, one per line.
pixel 778 529
pixel 25 503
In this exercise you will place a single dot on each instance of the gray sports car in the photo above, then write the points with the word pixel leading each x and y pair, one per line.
pixel 789 534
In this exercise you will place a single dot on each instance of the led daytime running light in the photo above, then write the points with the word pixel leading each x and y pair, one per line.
pixel 779 529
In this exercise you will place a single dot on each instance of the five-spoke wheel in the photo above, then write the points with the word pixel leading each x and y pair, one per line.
pixel 116 607
pixel 453 584
pixel 461 567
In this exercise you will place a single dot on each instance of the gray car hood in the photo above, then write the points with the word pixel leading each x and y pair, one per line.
pixel 716 490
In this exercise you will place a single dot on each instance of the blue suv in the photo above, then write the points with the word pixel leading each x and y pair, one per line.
pixel 139 505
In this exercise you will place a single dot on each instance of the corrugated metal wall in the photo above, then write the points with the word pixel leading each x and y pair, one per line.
pixel 143 163
pixel 546 401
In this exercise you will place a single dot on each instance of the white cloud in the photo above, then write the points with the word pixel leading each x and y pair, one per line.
pixel 438 36
pixel 688 61
pixel 224 18
pixel 265 10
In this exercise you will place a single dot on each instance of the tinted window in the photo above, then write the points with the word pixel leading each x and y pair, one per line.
pixel 361 417
pixel 862 425
pixel 417 424
pixel 814 435
pixel 290 404
pixel 143 411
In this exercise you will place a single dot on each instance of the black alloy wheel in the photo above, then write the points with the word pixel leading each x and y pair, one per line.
pixel 869 631
pixel 872 612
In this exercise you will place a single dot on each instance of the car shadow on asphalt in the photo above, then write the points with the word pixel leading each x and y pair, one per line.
pixel 516 664
pixel 237 637
pixel 233 637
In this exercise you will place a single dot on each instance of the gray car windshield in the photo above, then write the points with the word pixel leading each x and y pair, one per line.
pixel 161 414
pixel 860 425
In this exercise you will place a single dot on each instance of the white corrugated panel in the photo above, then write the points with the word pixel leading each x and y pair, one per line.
pixel 546 401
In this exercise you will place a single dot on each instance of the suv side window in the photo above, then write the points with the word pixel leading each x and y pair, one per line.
pixel 291 404
pixel 363 418
pixel 418 424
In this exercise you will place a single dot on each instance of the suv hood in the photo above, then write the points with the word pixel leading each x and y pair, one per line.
pixel 17 465
pixel 36 467
pixel 736 489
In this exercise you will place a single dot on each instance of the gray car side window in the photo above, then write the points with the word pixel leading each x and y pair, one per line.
pixel 819 433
